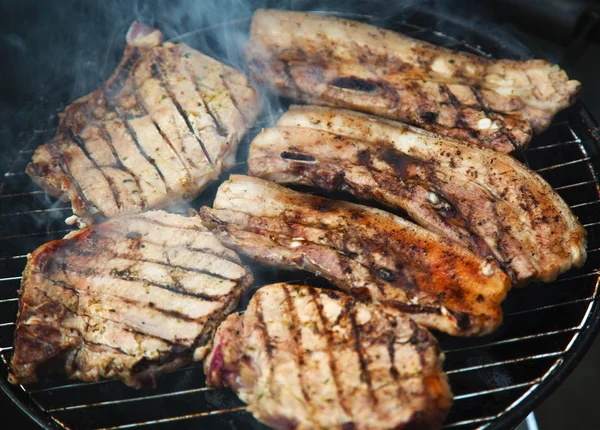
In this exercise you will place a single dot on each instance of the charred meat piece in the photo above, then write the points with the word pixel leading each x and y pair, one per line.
pixel 307 358
pixel 327 60
pixel 165 124
pixel 366 252
pixel 129 299
pixel 483 199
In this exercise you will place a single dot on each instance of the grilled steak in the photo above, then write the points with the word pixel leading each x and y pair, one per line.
pixel 306 358
pixel 367 252
pixel 328 60
pixel 127 299
pixel 165 124
pixel 483 199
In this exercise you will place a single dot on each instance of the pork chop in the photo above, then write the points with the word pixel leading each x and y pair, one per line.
pixel 307 358
pixel 131 298
pixel 164 125
pixel 328 60
pixel 366 252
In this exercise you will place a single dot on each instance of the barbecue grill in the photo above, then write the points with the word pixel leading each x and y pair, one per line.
pixel 497 379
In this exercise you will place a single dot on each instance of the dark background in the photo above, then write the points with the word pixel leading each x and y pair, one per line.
pixel 53 52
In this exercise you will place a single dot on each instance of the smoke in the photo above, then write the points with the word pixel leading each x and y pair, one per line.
pixel 62 52
pixel 65 50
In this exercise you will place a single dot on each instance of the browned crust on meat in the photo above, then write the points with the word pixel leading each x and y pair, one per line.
pixel 166 123
pixel 354 365
pixel 483 199
pixel 369 253
pixel 115 301
pixel 327 60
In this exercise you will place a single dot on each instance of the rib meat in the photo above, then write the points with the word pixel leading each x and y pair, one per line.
pixel 129 299
pixel 327 60
pixel 483 199
pixel 306 358
pixel 367 252
pixel 165 124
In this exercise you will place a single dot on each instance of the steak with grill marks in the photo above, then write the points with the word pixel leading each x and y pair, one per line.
pixel 481 198
pixel 304 357
pixel 129 299
pixel 165 124
pixel 327 60
pixel 368 253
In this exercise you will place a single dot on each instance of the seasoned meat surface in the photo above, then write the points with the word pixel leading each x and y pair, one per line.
pixel 129 299
pixel 307 358
pixel 327 60
pixel 367 252
pixel 165 124
pixel 483 199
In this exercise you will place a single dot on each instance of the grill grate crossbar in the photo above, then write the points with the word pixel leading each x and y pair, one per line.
pixel 132 399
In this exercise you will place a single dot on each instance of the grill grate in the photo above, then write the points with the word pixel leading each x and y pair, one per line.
pixel 496 379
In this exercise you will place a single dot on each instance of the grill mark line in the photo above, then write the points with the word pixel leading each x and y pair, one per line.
pixel 213 252
pixel 290 81
pixel 531 83
pixel 182 112
pixel 329 339
pixel 172 147
pixel 459 121
pixel 393 371
pixel 142 218
pixel 214 116
pixel 108 94
pixel 263 328
pixel 108 139
pixel 480 101
pixel 371 265
pixel 444 90
pixel 140 101
pixel 510 139
pixel 142 104
pixel 219 254
pixel 486 110
pixel 365 375
pixel 124 275
pixel 268 346
pixel 150 160
pixel 222 128
pixel 87 272
pixel 118 81
pixel 297 336
pixel 64 167
pixel 102 345
pixel 118 323
pixel 504 262
pixel 133 259
pixel 81 144
pixel 234 101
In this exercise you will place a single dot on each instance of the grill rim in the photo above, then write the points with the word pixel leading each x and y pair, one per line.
pixel 24 402
pixel 586 335
pixel 537 391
